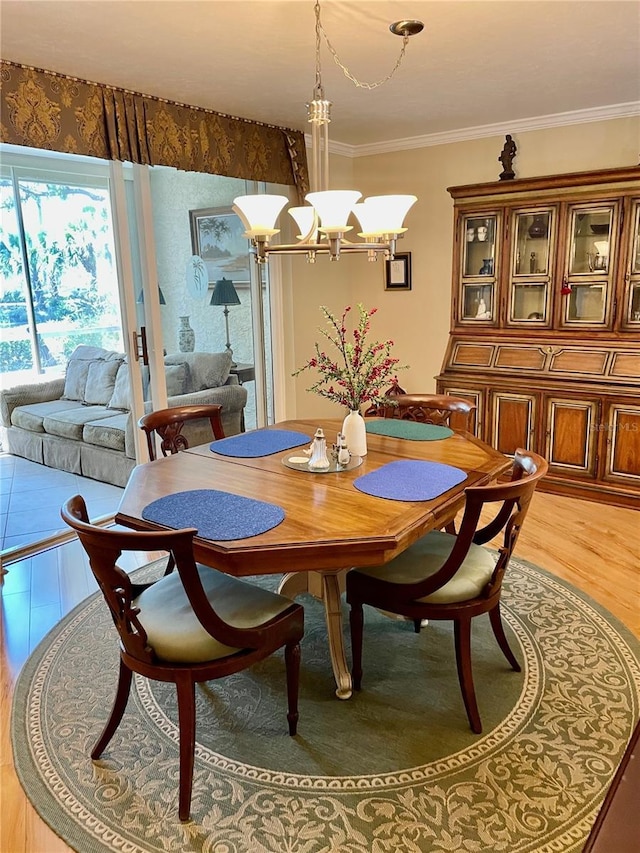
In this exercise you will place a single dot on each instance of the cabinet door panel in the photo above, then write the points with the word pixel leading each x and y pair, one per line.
pixel 571 435
pixel 475 416
pixel 513 419
pixel 623 443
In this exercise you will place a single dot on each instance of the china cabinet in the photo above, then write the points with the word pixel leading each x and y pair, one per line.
pixel 545 325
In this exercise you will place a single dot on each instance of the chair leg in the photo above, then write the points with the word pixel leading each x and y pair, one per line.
pixel 117 711
pixel 417 624
pixel 356 624
pixel 462 634
pixel 450 527
pixel 498 630
pixel 187 730
pixel 292 662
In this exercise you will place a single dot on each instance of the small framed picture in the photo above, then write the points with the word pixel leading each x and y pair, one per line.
pixel 217 236
pixel 398 272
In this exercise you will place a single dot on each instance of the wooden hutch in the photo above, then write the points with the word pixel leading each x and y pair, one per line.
pixel 545 324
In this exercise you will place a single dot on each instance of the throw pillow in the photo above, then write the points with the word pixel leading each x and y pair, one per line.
pixel 176 375
pixel 121 397
pixel 75 379
pixel 101 380
pixel 204 369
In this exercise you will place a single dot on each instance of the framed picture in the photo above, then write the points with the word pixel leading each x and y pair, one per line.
pixel 397 274
pixel 217 236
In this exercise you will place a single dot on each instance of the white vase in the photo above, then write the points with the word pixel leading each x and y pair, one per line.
pixel 355 433
pixel 186 336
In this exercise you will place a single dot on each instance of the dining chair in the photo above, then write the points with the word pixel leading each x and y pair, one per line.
pixel 194 625
pixel 168 424
pixel 452 577
pixel 429 409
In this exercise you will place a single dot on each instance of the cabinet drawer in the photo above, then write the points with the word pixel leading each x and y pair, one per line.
pixel 625 364
pixel 520 358
pixel 584 362
pixel 472 355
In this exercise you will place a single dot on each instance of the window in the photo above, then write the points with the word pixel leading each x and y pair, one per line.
pixel 58 279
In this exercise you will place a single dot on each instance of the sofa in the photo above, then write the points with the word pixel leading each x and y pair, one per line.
pixel 82 423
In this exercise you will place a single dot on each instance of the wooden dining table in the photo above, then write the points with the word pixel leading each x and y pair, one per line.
pixel 329 525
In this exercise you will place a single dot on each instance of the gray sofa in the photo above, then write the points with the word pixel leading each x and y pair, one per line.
pixel 82 423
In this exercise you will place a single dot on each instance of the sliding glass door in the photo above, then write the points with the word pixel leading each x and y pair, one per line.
pixel 57 266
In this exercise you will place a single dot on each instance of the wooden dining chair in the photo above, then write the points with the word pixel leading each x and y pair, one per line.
pixel 168 425
pixel 429 409
pixel 194 625
pixel 447 577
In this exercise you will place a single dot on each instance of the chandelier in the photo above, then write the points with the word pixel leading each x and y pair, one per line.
pixel 323 221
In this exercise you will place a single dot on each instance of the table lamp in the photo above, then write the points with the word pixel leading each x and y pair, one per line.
pixel 224 293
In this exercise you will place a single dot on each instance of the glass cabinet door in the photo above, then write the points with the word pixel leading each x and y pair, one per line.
pixel 479 268
pixel 534 233
pixel 632 302
pixel 587 280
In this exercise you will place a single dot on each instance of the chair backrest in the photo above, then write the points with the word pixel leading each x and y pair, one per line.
pixel 377 409
pixel 429 409
pixel 514 498
pixel 168 424
pixel 104 548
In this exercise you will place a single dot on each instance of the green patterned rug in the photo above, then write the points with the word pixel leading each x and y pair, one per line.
pixel 395 768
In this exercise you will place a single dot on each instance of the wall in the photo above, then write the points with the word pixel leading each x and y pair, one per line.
pixel 418 321
pixel 174 194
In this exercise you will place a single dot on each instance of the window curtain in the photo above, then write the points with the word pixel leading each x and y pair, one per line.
pixel 43 109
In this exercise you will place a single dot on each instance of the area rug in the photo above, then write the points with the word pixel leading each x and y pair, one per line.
pixel 395 768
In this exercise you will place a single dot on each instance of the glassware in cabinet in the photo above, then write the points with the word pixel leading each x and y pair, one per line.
pixel 590 240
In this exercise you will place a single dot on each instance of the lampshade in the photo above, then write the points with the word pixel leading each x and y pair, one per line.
pixel 383 214
pixel 259 213
pixel 224 293
pixel 161 299
pixel 333 208
pixel 305 217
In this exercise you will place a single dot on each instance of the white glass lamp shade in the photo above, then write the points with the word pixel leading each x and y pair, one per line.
pixel 305 218
pixel 259 213
pixel 383 214
pixel 333 208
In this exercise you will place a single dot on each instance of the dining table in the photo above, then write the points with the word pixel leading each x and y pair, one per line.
pixel 323 522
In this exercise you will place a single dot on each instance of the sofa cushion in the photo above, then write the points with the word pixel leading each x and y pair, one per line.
pixel 70 424
pixel 121 397
pixel 31 416
pixel 106 432
pixel 75 380
pixel 101 380
pixel 204 369
pixel 78 367
pixel 176 378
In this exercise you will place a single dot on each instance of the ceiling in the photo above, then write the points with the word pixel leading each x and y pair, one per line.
pixel 476 63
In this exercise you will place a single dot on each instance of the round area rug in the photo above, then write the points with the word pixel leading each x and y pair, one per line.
pixel 395 768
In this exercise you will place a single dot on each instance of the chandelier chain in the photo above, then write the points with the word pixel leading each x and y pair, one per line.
pixel 361 84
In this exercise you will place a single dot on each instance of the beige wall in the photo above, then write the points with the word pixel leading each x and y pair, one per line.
pixel 418 321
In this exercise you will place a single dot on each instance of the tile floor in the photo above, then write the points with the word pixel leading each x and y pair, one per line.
pixel 31 496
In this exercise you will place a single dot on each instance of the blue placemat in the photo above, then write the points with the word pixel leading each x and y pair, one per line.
pixel 410 480
pixel 216 515
pixel 259 442
pixel 411 430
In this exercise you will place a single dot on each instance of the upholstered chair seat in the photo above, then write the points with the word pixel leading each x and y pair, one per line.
pixel 175 633
pixel 426 556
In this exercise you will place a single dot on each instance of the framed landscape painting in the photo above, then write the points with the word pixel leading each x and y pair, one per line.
pixel 217 236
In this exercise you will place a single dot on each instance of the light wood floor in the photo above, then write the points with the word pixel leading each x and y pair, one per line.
pixel 594 547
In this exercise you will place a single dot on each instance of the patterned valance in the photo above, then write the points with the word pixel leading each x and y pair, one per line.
pixel 43 109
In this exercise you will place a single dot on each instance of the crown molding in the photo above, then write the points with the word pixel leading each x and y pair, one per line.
pixel 612 111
